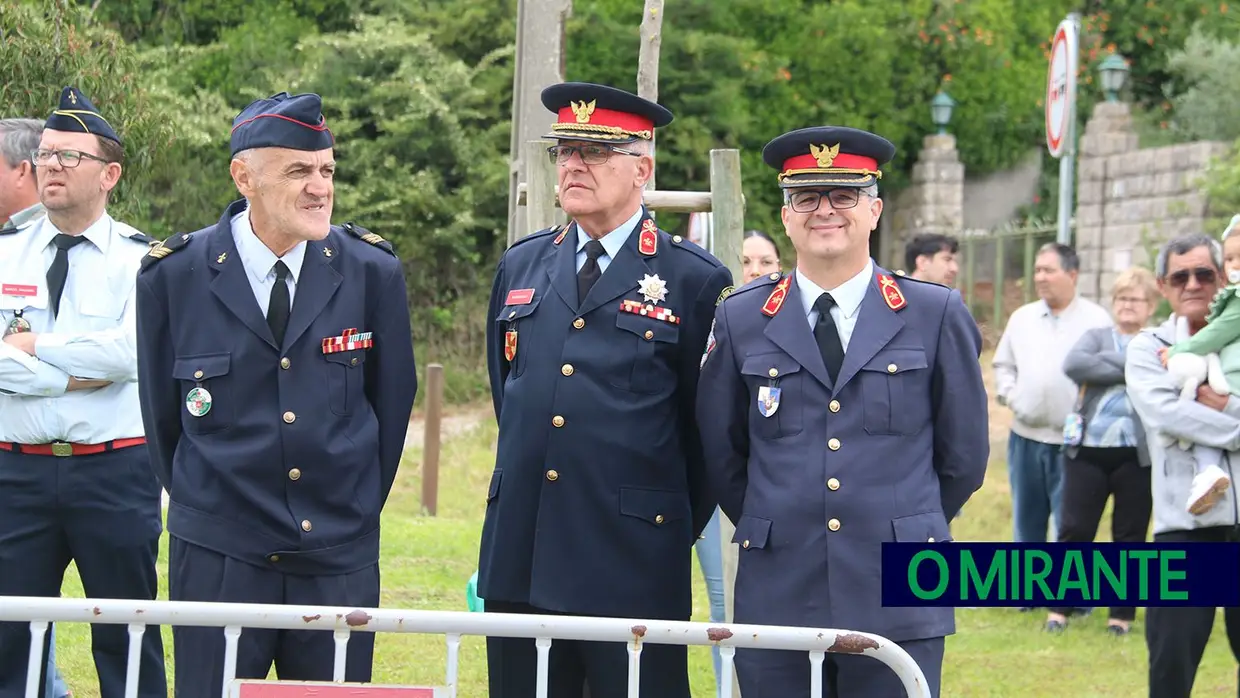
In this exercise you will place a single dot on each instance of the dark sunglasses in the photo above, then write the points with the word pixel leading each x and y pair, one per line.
pixel 1204 275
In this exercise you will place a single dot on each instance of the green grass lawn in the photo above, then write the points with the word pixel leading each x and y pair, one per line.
pixel 427 561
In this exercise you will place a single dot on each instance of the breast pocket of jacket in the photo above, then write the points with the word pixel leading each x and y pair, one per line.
pixel 646 358
pixel 776 404
pixel 895 387
pixel 206 392
pixel 513 323
pixel 345 384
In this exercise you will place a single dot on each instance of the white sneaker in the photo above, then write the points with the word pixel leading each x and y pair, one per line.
pixel 1208 488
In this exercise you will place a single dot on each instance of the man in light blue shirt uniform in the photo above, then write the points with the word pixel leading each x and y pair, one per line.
pixel 75 484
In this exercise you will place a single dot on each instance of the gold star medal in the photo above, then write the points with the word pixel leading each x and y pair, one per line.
pixel 198 402
pixel 652 288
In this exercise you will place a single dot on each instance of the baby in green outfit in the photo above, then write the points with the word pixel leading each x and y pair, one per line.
pixel 1219 344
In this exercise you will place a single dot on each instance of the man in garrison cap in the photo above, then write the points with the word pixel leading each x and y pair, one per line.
pixel 841 407
pixel 277 383
pixel 75 480
pixel 593 338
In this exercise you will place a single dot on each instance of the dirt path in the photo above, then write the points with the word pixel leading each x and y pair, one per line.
pixel 455 421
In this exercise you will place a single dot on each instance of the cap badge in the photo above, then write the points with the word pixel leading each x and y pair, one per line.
pixel 583 111
pixel 72 98
pixel 824 154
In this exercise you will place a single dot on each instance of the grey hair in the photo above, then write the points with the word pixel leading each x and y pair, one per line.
pixel 1185 244
pixel 18 139
pixel 870 191
pixel 1069 261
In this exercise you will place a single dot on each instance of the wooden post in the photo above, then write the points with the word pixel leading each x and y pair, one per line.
pixel 648 59
pixel 431 438
pixel 540 200
pixel 728 214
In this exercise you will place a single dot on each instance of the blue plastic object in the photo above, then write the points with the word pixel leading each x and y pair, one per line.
pixel 475 602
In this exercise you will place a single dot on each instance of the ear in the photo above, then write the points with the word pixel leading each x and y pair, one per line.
pixel 645 170
pixel 244 178
pixel 111 176
pixel 877 209
pixel 783 216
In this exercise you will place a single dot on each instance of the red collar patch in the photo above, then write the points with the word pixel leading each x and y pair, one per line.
pixel 891 292
pixel 776 300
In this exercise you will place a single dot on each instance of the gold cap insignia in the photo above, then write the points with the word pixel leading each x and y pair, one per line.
pixel 824 154
pixel 72 98
pixel 583 111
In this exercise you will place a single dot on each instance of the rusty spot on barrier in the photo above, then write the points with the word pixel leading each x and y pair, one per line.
pixel 717 634
pixel 311 619
pixel 357 618
pixel 96 611
pixel 139 611
pixel 638 631
pixel 852 643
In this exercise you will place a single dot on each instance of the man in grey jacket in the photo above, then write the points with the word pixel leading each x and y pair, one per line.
pixel 1190 272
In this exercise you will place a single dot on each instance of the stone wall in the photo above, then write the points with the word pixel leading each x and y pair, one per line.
pixel 1129 200
pixel 934 203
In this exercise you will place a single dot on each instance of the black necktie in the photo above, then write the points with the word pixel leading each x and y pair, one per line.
pixel 278 308
pixel 59 271
pixel 590 271
pixel 828 337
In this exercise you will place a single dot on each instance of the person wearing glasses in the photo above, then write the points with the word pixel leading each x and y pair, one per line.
pixel 1189 269
pixel 1029 381
pixel 76 483
pixel 842 406
pixel 595 332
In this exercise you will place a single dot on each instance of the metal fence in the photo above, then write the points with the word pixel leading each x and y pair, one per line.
pixel 997 270
pixel 232 618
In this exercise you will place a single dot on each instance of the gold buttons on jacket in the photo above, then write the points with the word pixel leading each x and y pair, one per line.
pixel 834 524
pixel 294 474
pixel 285 363
pixel 578 323
pixel 557 421
pixel 833 484
pixel 273 558
pixel 567 369
pixel 289 417
pixel 353 361
pixel 512 315
pixel 773 372
pixel 833 444
pixel 930 539
pixel 677 238
pixel 305 525
pixel 649 335
pixel 834 405
pixel 658 518
pixel 198 374
pixel 891 368
pixel 553 475
pixel 774 276
pixel 745 545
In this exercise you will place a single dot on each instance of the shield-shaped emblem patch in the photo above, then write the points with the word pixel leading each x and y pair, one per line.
pixel 510 345
pixel 768 400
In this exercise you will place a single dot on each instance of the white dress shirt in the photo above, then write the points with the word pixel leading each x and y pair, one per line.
pixel 848 297
pixel 612 242
pixel 93 337
pixel 260 262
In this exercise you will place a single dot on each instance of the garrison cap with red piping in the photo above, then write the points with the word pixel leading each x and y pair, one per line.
pixel 828 156
pixel 601 114
pixel 282 121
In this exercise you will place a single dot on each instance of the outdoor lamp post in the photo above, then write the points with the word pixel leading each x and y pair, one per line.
pixel 941 111
pixel 1114 70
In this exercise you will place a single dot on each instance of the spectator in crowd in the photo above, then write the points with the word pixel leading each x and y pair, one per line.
pixel 1030 381
pixel 1189 271
pixel 1110 459
pixel 759 255
pixel 932 257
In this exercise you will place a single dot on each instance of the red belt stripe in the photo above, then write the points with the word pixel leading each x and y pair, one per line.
pixel 74 449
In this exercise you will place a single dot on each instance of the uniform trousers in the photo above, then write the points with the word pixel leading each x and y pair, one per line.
pixel 782 674
pixel 603 667
pixel 199 574
pixel 102 512
pixel 1176 636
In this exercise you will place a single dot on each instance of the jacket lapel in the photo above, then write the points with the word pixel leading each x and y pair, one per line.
pixel 561 265
pixel 876 325
pixel 230 284
pixel 790 331
pixel 315 287
pixel 623 274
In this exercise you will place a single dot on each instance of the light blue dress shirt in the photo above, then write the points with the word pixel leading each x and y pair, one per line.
pixel 259 262
pixel 848 297
pixel 612 242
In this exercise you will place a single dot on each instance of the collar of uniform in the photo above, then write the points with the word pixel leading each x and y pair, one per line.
pixel 614 240
pixel 256 257
pixel 848 295
pixel 26 215
pixel 98 233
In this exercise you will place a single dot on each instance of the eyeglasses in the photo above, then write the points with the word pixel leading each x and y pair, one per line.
pixel 809 201
pixel 590 154
pixel 1204 275
pixel 68 159
pixel 1129 300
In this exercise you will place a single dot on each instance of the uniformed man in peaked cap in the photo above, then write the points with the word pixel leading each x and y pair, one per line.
pixel 75 480
pixel 595 331
pixel 841 407
pixel 277 383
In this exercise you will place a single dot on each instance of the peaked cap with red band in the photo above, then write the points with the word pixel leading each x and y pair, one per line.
pixel 282 121
pixel 828 156
pixel 602 114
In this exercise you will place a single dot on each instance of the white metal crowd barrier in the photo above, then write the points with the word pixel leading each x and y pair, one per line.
pixel 452 624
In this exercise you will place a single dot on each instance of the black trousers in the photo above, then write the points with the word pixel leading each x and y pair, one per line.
pixel 102 512
pixel 597 669
pixel 1176 637
pixel 781 674
pixel 1089 479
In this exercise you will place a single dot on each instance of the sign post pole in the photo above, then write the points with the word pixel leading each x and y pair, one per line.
pixel 1061 116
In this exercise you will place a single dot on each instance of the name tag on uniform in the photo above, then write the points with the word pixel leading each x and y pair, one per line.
pixel 19 290
pixel 521 296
